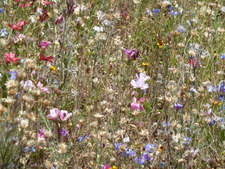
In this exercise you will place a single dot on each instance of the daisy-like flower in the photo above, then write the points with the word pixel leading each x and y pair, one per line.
pixel 140 81
pixel 10 57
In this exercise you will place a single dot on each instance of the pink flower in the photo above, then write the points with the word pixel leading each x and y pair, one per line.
pixel 43 89
pixel 18 26
pixel 134 54
pixel 143 99
pixel 135 105
pixel 64 115
pixel 106 167
pixel 42 135
pixel 140 81
pixel 54 114
pixel 10 57
pixel 59 20
pixel 47 3
pixel 44 44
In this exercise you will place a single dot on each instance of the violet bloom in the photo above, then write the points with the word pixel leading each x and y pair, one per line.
pixel 64 115
pixel 44 44
pixel 59 20
pixel 134 54
pixel 178 106
pixel 140 81
pixel 54 114
pixel 63 132
pixel 136 106
pixel 43 89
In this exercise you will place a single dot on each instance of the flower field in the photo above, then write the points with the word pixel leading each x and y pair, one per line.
pixel 117 84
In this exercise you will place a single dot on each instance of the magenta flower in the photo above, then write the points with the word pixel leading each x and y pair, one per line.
pixel 42 133
pixel 140 81
pixel 43 89
pixel 135 105
pixel 106 167
pixel 44 44
pixel 143 99
pixel 54 114
pixel 64 115
pixel 59 20
pixel 134 54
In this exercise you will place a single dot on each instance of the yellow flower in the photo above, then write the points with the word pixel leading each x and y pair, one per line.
pixel 113 167
pixel 144 64
pixel 219 103
pixel 160 44
pixel 52 69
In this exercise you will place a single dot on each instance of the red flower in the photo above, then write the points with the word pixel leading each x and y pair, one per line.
pixel 10 57
pixel 192 62
pixel 47 59
pixel 18 26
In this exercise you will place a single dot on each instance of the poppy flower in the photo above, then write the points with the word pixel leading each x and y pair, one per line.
pixel 18 26
pixel 10 57
pixel 47 59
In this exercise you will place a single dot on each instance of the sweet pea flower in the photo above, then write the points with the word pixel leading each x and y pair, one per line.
pixel 64 115
pixel 54 114
pixel 140 81
pixel 43 89
pixel 44 44
pixel 136 106
pixel 134 54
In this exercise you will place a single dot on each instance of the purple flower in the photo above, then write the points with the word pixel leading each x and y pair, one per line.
pixel 1 10
pixel 150 148
pixel 222 87
pixel 178 106
pixel 63 132
pixel 134 54
pixel 117 146
pixel 173 13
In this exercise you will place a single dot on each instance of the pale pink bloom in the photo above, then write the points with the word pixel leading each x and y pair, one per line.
pixel 54 114
pixel 64 115
pixel 136 106
pixel 43 89
pixel 140 81
pixel 44 44
pixel 27 84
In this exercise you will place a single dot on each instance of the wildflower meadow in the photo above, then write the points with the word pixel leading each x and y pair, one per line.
pixel 112 84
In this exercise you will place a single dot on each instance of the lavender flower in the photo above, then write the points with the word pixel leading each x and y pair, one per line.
pixel 134 54
pixel 63 132
pixel 178 106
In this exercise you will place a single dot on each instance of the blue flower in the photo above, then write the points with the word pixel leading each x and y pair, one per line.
pixel 13 75
pixel 29 149
pixel 162 164
pixel 156 10
pixel 186 141
pixel 181 29
pixel 1 10
pixel 212 122
pixel 222 56
pixel 117 146
pixel 82 138
pixel 140 161
pixel 3 32
pixel 173 13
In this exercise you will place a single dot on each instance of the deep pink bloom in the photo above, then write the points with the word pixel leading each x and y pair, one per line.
pixel 44 44
pixel 59 20
pixel 54 114
pixel 10 57
pixel 64 115
pixel 134 54
pixel 106 167
pixel 47 3
pixel 18 26
pixel 136 106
